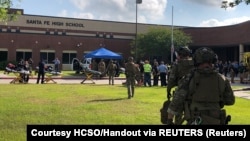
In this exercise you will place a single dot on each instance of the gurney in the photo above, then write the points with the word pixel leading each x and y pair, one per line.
pixel 48 74
pixel 19 74
pixel 89 75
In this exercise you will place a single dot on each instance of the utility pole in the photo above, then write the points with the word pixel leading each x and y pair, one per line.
pixel 172 37
pixel 137 2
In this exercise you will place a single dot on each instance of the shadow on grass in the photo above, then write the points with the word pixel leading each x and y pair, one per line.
pixel 107 100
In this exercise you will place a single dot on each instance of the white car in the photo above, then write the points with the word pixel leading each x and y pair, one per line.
pixel 82 65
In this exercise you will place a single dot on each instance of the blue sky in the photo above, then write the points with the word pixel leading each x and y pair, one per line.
pixel 194 13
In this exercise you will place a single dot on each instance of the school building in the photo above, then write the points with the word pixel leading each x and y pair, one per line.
pixel 37 36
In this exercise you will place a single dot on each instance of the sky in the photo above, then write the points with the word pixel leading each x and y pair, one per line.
pixel 192 13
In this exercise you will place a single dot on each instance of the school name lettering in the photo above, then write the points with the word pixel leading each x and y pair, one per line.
pixel 54 23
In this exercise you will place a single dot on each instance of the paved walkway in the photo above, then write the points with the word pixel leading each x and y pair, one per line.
pixel 6 79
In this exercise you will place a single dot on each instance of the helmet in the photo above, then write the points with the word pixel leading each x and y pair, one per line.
pixel 204 55
pixel 184 51
pixel 130 59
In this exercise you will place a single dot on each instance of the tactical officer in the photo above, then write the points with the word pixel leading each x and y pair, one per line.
pixel 204 92
pixel 130 72
pixel 183 65
pixel 178 70
pixel 111 72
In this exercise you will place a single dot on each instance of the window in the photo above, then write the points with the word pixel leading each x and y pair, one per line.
pixel 26 55
pixel 3 55
pixel 48 57
pixel 67 58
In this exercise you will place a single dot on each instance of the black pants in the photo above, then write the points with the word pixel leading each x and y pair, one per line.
pixel 163 79
pixel 40 75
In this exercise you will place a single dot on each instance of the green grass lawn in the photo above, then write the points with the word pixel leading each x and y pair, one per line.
pixel 22 104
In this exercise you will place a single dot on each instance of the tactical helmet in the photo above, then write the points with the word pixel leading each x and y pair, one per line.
pixel 204 55
pixel 184 51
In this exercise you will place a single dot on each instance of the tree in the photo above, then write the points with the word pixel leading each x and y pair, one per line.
pixel 157 42
pixel 5 13
pixel 226 4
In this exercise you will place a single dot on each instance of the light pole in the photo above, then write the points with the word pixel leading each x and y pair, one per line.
pixel 172 37
pixel 137 2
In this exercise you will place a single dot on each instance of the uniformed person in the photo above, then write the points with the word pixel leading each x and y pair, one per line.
pixel 204 92
pixel 183 65
pixel 102 68
pixel 111 72
pixel 130 72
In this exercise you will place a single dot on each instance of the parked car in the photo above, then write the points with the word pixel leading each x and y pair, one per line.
pixel 84 64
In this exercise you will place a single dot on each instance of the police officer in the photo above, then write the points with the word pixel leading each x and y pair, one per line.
pixel 41 71
pixel 111 72
pixel 183 66
pixel 204 92
pixel 130 72
pixel 147 73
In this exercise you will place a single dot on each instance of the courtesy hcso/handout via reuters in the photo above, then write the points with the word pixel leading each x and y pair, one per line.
pixel 207 133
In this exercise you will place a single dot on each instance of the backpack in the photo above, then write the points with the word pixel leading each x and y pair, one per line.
pixel 194 98
pixel 184 66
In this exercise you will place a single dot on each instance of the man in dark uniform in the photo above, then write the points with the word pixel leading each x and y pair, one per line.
pixel 130 72
pixel 41 72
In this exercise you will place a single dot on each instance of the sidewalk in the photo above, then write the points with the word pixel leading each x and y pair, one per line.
pixel 6 79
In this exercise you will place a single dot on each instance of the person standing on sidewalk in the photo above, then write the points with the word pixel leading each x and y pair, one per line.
pixel 111 72
pixel 163 70
pixel 147 73
pixel 57 63
pixel 41 72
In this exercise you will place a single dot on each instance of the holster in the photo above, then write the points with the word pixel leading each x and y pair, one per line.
pixel 216 117
pixel 223 116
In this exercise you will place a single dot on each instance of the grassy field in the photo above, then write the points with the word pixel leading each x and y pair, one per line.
pixel 22 104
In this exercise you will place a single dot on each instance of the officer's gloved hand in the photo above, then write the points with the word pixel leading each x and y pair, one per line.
pixel 170 122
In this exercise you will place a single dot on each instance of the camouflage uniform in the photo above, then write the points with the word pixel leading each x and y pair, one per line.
pixel 184 65
pixel 102 67
pixel 204 92
pixel 111 72
pixel 180 69
pixel 130 72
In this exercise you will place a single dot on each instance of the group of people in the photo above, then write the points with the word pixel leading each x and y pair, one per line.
pixel 200 93
pixel 25 69
pixel 111 69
